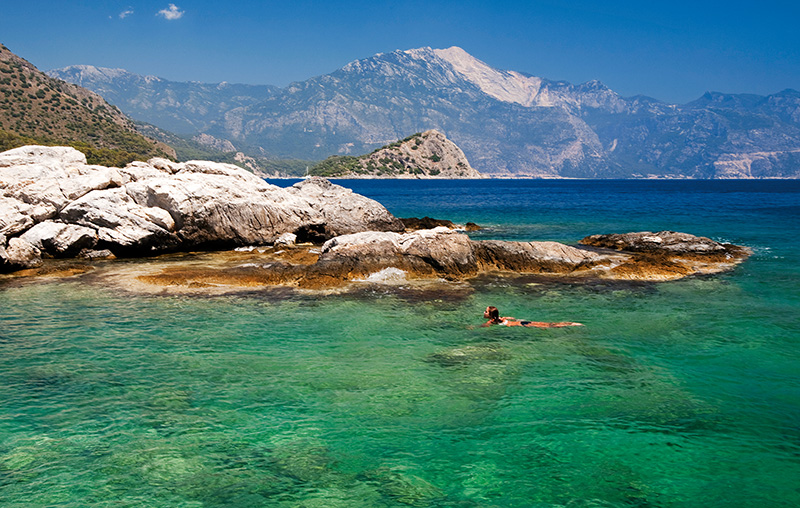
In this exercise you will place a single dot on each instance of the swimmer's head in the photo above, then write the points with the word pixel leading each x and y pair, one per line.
pixel 491 313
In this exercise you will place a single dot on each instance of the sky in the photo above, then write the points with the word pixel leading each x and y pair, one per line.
pixel 671 50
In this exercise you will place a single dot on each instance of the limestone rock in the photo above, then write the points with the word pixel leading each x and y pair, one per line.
pixel 342 210
pixel 432 252
pixel 667 255
pixel 59 239
pixel 534 256
pixel 17 216
pixel 163 205
pixel 442 252
pixel 209 209
pixel 21 254
pixel 667 241
pixel 121 222
pixel 287 239
pixel 45 158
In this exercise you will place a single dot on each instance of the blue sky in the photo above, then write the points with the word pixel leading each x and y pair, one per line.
pixel 671 50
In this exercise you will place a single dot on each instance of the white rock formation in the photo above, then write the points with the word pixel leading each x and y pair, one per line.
pixel 54 204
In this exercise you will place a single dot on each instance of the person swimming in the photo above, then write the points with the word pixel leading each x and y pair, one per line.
pixel 493 315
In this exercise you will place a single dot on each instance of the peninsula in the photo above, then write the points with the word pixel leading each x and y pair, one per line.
pixel 314 234
pixel 426 154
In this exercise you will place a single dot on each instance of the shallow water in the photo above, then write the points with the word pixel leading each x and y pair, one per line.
pixel 677 394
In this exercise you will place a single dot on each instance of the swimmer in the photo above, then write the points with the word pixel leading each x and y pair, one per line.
pixel 493 315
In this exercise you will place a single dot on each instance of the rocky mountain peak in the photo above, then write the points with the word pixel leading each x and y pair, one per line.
pixel 506 86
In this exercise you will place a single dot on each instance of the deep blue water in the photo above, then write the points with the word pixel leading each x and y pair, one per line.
pixel 677 394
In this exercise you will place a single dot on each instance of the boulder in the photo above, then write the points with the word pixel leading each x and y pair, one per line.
pixel 286 239
pixel 60 190
pixel 442 252
pixel 212 209
pixel 16 216
pixel 430 252
pixel 540 257
pixel 21 254
pixel 59 239
pixel 341 210
pixel 44 158
pixel 121 223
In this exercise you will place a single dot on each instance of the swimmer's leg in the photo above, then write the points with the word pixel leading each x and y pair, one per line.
pixel 542 324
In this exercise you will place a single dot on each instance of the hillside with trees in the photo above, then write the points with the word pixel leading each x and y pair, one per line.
pixel 38 109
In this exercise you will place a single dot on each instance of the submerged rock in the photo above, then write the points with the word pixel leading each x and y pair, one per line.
pixel 469 354
pixel 400 485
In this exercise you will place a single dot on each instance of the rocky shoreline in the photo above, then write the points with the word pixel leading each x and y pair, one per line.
pixel 312 235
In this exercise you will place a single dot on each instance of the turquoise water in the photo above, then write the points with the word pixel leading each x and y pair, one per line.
pixel 678 394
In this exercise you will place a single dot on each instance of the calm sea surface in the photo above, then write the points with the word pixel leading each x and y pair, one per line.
pixel 679 394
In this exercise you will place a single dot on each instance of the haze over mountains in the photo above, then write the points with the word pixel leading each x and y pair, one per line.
pixel 507 123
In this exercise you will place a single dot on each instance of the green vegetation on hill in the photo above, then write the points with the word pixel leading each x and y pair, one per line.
pixel 37 109
pixel 339 165
pixel 417 156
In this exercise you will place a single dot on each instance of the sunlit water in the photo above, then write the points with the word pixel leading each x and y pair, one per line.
pixel 679 394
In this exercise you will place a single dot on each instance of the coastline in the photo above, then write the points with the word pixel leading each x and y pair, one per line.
pixel 383 392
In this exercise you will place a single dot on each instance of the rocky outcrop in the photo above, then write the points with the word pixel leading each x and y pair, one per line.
pixel 667 254
pixel 448 254
pixel 440 253
pixel 58 205
pixel 426 154
pixel 668 242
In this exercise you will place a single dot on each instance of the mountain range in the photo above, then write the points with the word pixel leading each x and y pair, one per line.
pixel 508 123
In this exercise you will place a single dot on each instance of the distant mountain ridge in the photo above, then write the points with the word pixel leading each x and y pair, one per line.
pixel 183 108
pixel 509 124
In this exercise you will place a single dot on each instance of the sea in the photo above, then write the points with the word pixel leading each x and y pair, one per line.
pixel 391 394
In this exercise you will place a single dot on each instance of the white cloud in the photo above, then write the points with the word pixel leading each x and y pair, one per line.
pixel 124 14
pixel 172 13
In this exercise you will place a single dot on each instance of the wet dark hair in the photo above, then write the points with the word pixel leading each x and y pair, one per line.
pixel 494 314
